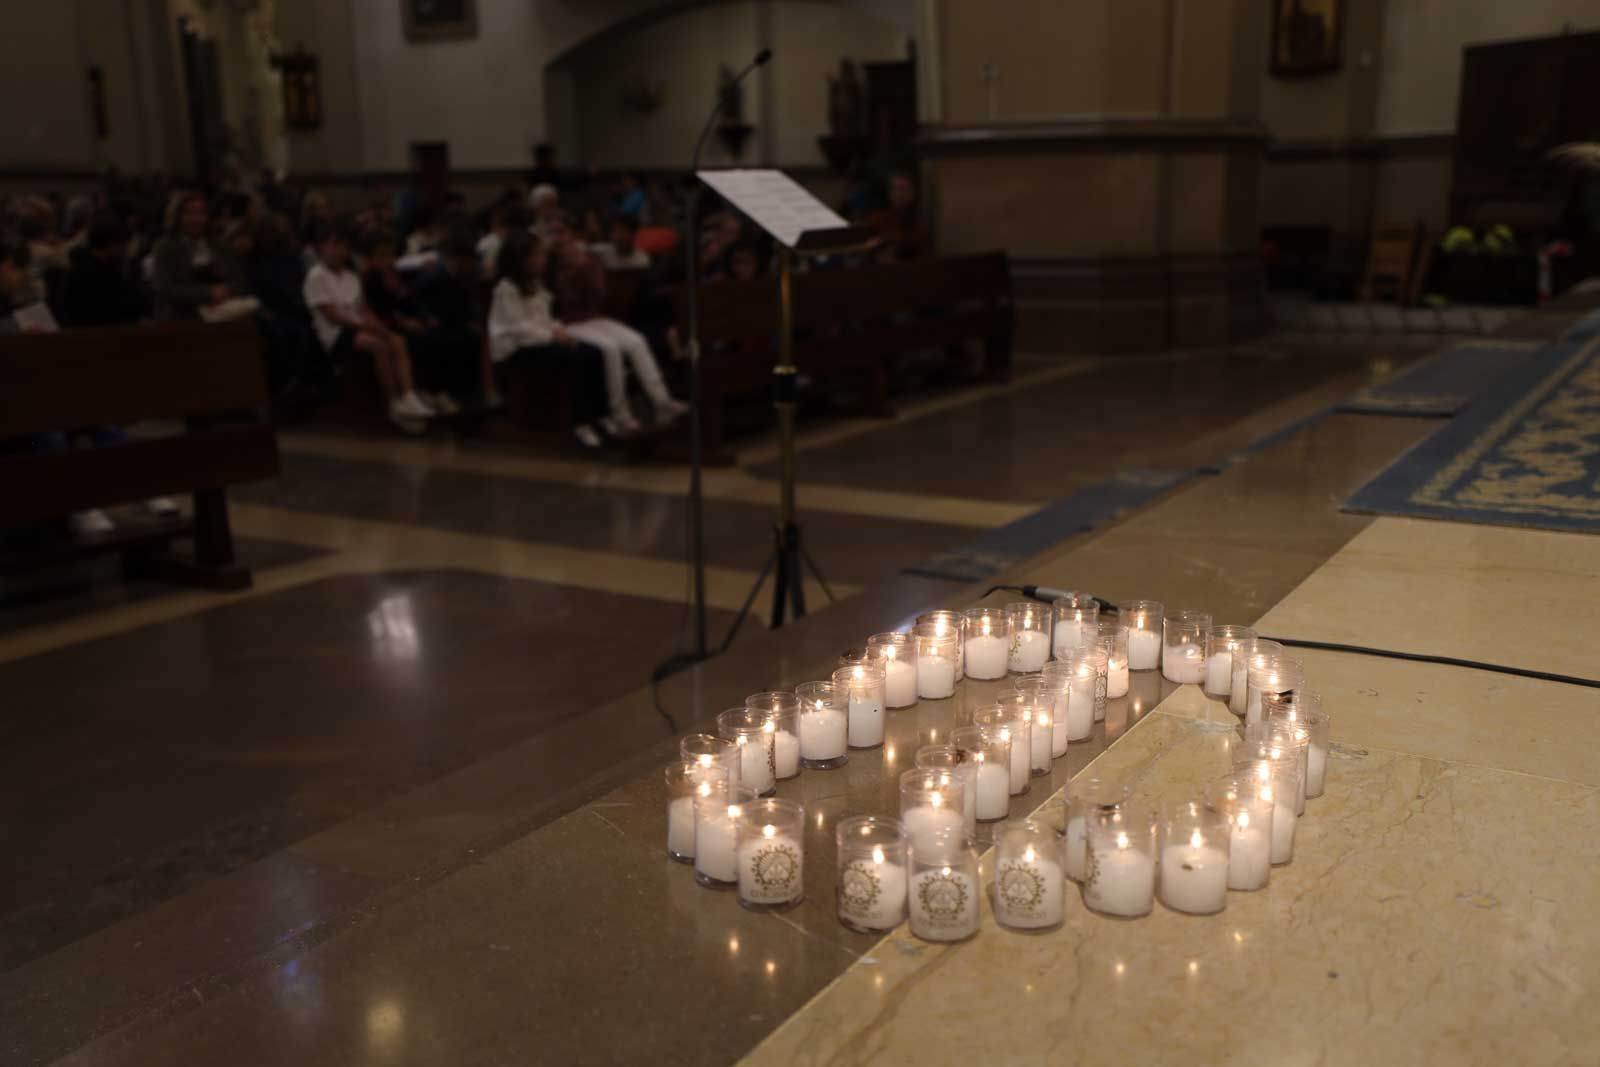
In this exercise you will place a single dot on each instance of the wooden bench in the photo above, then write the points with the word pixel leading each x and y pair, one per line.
pixel 209 376
pixel 851 325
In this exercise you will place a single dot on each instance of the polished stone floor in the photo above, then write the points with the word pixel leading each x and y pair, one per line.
pixel 398 802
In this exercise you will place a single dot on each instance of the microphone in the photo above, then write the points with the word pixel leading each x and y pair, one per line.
pixel 762 58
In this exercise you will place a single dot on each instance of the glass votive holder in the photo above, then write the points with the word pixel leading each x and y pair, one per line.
pixel 1051 690
pixel 1194 859
pixel 1277 777
pixel 861 686
pixel 1073 622
pixel 871 888
pixel 943 891
pixel 1239 695
pixel 716 832
pixel 709 749
pixel 824 725
pixel 1121 877
pixel 988 644
pixel 1029 887
pixel 1269 675
pixel 1030 636
pixel 949 624
pixel 898 654
pixel 687 779
pixel 1010 722
pixel 1225 641
pixel 1085 797
pixel 1246 807
pixel 1143 618
pixel 931 800
pixel 951 759
pixel 747 728
pixel 1276 736
pixel 771 859
pixel 1183 646
pixel 1304 708
pixel 938 652
pixel 1040 724
pixel 989 749
pixel 784 710
pixel 1114 643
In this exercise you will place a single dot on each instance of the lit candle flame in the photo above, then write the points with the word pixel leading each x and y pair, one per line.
pixel 936 799
pixel 1244 820
pixel 1028 855
pixel 769 726
pixel 986 627
pixel 1196 840
pixel 705 761
pixel 877 853
pixel 1122 840
pixel 705 789
pixel 769 831
pixel 734 811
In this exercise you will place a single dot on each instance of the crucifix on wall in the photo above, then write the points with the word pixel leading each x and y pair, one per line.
pixel 302 89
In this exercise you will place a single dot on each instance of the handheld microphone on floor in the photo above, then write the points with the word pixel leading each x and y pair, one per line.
pixel 1046 593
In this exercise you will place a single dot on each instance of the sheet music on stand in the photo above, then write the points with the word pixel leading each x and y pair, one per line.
pixel 782 207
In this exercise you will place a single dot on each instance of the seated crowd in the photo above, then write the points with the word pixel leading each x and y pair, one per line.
pixel 439 302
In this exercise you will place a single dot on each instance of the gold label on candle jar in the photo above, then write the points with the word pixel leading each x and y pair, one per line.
pixel 775 868
pixel 859 888
pixel 944 897
pixel 1021 886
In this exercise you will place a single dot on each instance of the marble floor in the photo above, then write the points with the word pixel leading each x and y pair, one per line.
pixel 398 802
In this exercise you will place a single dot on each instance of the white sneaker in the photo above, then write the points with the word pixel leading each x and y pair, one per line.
pixel 162 507
pixel 92 522
pixel 587 436
pixel 670 409
pixel 410 406
pixel 621 425
pixel 444 404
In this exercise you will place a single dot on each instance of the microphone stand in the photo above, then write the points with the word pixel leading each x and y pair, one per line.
pixel 697 561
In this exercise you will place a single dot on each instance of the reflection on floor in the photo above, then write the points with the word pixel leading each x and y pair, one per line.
pixel 478 624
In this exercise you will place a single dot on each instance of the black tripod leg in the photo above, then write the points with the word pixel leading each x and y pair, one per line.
pixel 744 609
pixel 826 589
pixel 780 587
pixel 797 572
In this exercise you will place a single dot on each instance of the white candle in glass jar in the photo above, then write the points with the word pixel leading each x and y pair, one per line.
pixel 1116 680
pixel 1121 880
pixel 1238 693
pixel 756 762
pixel 1282 826
pixel 715 837
pixel 1219 674
pixel 1029 651
pixel 1080 705
pixel 986 656
pixel 872 892
pixel 1028 891
pixel 824 733
pixel 1249 853
pixel 1058 726
pixel 1194 877
pixel 770 865
pixel 932 816
pixel 994 791
pixel 1144 650
pixel 866 721
pixel 936 677
pixel 900 683
pixel 1021 754
pixel 786 754
pixel 944 904
pixel 680 827
pixel 1316 767
pixel 1183 664
pixel 1077 848
pixel 1069 636
pixel 1041 731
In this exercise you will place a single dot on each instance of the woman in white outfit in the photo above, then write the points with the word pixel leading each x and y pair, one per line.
pixel 580 289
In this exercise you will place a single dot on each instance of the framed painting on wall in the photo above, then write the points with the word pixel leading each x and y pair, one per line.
pixel 439 20
pixel 1306 36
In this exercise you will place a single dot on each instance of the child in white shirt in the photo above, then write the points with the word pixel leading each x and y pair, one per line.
pixel 345 325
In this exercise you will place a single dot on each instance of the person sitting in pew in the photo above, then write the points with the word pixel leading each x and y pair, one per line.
pixel 620 252
pixel 99 290
pixel 452 356
pixel 345 326
pixel 580 290
pixel 190 272
pixel 521 329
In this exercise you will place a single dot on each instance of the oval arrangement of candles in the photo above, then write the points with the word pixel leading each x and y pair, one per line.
pixel 1066 661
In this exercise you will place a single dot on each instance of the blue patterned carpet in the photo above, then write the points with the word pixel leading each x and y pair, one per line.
pixel 1527 455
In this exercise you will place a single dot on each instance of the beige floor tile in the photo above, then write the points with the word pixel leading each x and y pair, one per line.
pixel 1426 918
pixel 1523 598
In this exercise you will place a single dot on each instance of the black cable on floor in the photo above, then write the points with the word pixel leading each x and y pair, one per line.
pixel 1448 661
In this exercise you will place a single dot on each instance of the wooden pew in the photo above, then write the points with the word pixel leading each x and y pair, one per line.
pixel 850 325
pixel 209 376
